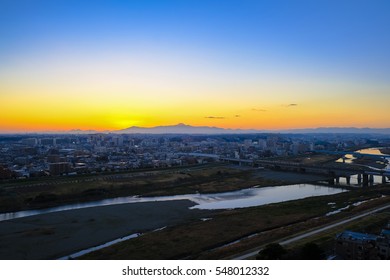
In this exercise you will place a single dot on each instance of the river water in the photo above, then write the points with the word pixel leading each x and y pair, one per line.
pixel 349 158
pixel 226 200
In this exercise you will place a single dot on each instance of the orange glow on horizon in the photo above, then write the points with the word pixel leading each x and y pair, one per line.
pixel 34 106
pixel 145 65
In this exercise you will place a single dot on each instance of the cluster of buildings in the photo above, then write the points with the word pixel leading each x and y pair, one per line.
pixel 363 246
pixel 52 155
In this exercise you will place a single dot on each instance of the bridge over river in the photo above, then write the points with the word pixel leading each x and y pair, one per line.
pixel 365 174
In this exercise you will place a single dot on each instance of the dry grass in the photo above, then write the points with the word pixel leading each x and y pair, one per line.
pixel 38 232
pixel 205 240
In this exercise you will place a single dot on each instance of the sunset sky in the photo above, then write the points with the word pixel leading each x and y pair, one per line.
pixel 109 65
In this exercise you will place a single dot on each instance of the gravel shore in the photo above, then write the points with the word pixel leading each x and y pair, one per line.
pixel 54 235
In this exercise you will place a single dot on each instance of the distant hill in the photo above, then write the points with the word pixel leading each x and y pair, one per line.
pixel 182 129
pixel 188 129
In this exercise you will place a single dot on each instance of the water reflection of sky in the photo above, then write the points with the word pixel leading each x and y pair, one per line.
pixel 261 196
pixel 349 158
pixel 354 182
pixel 236 199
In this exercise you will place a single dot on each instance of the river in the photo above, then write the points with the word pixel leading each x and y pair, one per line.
pixel 350 158
pixel 226 200
pixel 236 199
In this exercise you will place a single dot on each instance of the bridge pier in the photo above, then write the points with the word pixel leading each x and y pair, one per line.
pixel 331 181
pixel 371 179
pixel 348 180
pixel 359 178
pixel 365 180
pixel 383 179
pixel 337 180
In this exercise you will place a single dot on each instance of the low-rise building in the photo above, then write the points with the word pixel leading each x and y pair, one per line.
pixel 362 246
pixel 383 243
pixel 356 246
pixel 59 168
pixel 5 173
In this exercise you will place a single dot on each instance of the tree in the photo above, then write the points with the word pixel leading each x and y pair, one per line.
pixel 311 251
pixel 273 251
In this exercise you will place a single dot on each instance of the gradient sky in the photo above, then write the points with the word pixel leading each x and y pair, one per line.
pixel 273 64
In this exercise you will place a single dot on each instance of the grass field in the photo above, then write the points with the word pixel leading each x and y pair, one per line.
pixel 264 224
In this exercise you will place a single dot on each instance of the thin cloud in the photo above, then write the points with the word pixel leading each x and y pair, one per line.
pixel 259 110
pixel 214 117
pixel 292 105
pixel 237 116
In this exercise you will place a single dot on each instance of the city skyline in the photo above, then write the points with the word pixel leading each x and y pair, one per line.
pixel 264 65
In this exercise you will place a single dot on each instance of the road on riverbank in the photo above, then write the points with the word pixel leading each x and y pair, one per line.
pixel 254 252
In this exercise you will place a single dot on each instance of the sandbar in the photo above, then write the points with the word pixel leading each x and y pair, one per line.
pixel 58 234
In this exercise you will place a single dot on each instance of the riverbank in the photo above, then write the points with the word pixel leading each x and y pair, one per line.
pixel 54 235
pixel 385 150
pixel 190 233
pixel 243 229
pixel 370 162
pixel 204 179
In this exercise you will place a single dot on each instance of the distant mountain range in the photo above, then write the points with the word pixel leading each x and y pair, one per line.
pixel 183 129
pixel 188 129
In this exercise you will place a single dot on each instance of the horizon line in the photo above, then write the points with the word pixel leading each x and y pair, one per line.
pixel 250 130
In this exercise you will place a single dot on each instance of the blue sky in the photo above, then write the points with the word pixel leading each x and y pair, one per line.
pixel 317 30
pixel 340 45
